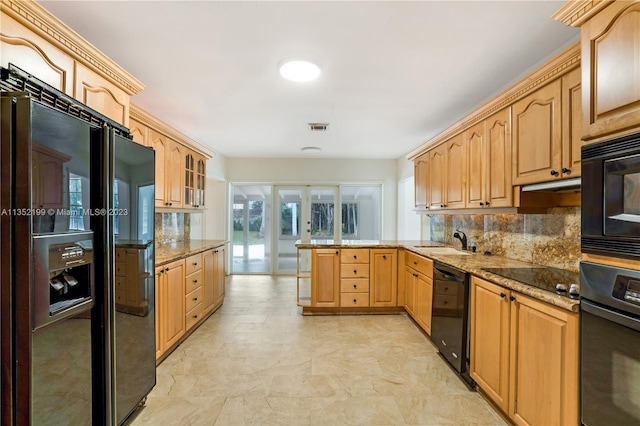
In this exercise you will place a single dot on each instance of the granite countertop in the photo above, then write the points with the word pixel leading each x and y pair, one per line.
pixel 170 252
pixel 471 262
pixel 137 244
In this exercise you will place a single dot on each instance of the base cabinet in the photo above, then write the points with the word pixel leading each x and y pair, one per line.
pixel 325 278
pixel 383 278
pixel 524 355
pixel 214 279
pixel 418 272
pixel 170 304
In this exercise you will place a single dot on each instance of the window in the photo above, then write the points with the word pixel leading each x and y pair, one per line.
pixel 290 219
pixel 322 219
pixel 76 220
pixel 350 221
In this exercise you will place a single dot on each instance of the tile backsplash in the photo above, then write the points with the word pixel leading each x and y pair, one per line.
pixel 172 227
pixel 551 239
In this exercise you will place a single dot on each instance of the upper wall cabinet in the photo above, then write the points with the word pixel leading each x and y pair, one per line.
pixel 537 133
pixel 456 176
pixel 181 163
pixel 37 42
pixel 421 173
pixel 610 34
pixel 611 70
pixel 436 178
pixel 489 162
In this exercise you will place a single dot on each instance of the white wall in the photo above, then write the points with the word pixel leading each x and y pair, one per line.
pixel 323 171
pixel 216 200
pixel 409 226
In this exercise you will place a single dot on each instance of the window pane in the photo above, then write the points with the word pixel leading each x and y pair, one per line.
pixel 322 219
pixel 290 219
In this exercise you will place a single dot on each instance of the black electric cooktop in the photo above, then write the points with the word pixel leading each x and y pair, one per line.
pixel 545 278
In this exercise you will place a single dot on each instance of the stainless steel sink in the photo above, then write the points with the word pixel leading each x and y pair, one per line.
pixel 443 250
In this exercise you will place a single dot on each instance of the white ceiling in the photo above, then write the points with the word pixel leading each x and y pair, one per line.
pixel 394 73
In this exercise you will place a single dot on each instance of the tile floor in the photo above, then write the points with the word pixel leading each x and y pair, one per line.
pixel 257 361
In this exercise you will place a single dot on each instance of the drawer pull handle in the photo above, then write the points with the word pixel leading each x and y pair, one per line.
pixel 195 281
pixel 355 286
pixel 195 299
pixel 355 257
pixel 195 263
pixel 336 252
pixel 415 263
pixel 503 295
pixel 384 256
pixel 355 301
pixel 355 271
pixel 512 298
pixel 195 316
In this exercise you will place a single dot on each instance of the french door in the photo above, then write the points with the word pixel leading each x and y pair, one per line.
pixel 303 213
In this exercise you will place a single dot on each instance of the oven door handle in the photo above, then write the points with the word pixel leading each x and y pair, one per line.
pixel 613 316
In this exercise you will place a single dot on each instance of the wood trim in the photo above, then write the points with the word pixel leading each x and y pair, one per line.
pixel 37 19
pixel 560 65
pixel 576 12
pixel 142 116
pixel 611 261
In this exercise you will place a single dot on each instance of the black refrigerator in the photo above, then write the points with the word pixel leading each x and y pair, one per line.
pixel 76 261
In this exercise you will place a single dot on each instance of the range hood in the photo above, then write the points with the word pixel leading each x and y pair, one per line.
pixel 565 185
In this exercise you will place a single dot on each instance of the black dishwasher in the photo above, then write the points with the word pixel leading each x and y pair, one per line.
pixel 450 317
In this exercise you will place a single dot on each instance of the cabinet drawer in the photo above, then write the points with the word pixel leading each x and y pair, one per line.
pixel 419 263
pixel 193 264
pixel 121 269
pixel 121 283
pixel 354 256
pixel 354 285
pixel 193 281
pixel 354 270
pixel 354 300
pixel 193 316
pixel 121 297
pixel 192 299
pixel 120 254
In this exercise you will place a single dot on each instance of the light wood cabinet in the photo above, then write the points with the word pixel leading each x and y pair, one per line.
pixel 139 132
pixel 325 278
pixel 193 293
pixel 47 174
pixel 611 70
pixel 456 173
pixel 170 304
pixel 418 277
pixel 131 280
pixel 159 312
pixel 571 124
pixel 214 279
pixel 98 93
pixel 383 277
pixel 546 127
pixel 537 134
pixel 489 162
pixel 421 181
pixel 437 178
pixel 524 355
pixel 169 170
pixel 194 179
pixel 355 277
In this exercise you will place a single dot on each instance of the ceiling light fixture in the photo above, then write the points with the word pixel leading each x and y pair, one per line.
pixel 311 149
pixel 299 70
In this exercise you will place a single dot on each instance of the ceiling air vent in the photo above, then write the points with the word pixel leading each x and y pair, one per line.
pixel 318 127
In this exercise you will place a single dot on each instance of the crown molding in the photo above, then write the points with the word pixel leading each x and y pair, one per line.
pixel 160 126
pixel 558 66
pixel 576 12
pixel 37 19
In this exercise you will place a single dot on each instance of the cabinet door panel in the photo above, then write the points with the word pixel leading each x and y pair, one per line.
pixel 490 340
pixel 421 184
pixel 543 364
pixel 410 285
pixel 537 135
pixel 437 169
pixel 571 124
pixel 456 168
pixel 174 180
pixel 174 319
pixel 611 69
pixel 477 162
pixel 139 131
pixel 499 188
pixel 208 284
pixel 159 143
pixel 383 286
pixel 96 92
pixel 325 278
pixel 423 301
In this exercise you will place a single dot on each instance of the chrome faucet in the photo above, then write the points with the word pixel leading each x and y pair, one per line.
pixel 463 238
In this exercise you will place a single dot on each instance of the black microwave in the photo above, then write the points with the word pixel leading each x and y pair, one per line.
pixel 611 197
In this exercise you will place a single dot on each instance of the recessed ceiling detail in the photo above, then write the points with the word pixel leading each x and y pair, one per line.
pixel 299 70
pixel 318 127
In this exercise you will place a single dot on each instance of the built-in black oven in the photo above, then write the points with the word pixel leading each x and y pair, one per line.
pixel 609 345
pixel 611 197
